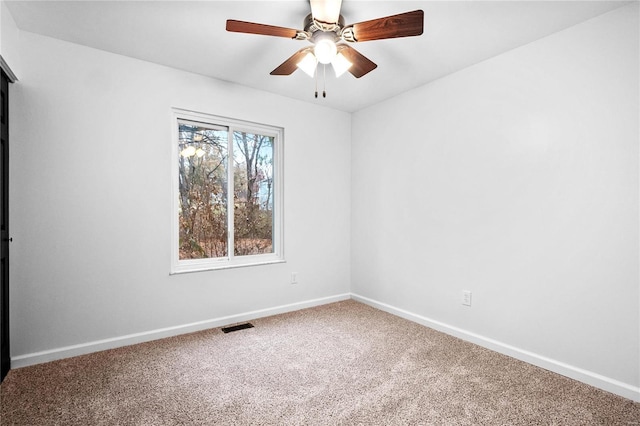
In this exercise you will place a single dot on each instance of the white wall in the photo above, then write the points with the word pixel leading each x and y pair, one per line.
pixel 91 200
pixel 9 35
pixel 517 179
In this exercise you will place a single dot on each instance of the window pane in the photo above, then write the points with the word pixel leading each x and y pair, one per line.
pixel 253 193
pixel 202 208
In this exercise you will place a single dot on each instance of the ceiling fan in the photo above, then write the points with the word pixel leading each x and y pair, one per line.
pixel 330 38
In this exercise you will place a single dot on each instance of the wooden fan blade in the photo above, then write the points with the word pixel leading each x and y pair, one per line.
pixel 261 29
pixel 403 25
pixel 290 65
pixel 361 64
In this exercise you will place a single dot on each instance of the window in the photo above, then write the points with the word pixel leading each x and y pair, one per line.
pixel 227 193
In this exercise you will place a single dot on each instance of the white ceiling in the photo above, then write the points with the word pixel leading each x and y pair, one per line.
pixel 191 36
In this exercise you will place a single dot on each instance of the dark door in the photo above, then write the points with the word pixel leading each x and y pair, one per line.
pixel 5 359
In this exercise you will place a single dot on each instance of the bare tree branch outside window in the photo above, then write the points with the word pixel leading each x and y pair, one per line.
pixel 204 190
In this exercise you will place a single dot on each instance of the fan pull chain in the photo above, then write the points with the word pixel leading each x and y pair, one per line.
pixel 316 76
pixel 324 80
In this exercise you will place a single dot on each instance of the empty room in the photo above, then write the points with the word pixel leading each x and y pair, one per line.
pixel 320 212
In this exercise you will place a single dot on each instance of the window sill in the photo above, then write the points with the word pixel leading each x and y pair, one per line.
pixel 183 269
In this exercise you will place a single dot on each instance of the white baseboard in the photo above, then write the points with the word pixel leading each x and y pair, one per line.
pixel 131 339
pixel 605 383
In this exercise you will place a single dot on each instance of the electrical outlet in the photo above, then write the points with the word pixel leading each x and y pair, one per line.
pixel 294 278
pixel 466 297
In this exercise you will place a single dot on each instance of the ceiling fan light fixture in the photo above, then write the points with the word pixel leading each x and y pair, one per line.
pixel 340 64
pixel 325 50
pixel 327 11
pixel 308 64
pixel 323 28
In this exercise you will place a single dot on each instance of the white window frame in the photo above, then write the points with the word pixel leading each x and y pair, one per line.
pixel 230 261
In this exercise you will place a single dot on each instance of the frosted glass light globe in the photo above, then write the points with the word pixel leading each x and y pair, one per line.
pixel 325 50
pixel 340 64
pixel 308 64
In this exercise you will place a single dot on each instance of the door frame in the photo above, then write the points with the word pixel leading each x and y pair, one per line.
pixel 7 76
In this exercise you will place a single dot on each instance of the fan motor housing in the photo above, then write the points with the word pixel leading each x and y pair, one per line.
pixel 312 25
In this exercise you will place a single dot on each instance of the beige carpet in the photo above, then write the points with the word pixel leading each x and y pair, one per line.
pixel 344 363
